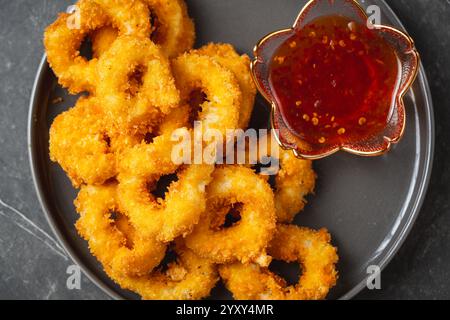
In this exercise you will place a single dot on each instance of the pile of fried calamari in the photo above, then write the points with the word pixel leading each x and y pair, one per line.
pixel 219 221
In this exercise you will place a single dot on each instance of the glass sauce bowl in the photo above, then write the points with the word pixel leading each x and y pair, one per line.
pixel 364 145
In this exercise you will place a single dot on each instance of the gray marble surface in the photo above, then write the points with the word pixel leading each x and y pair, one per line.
pixel 32 263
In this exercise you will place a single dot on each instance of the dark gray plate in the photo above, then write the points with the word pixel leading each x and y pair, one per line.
pixel 368 204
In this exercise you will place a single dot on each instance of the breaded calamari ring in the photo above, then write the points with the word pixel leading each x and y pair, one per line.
pixel 226 55
pixel 168 218
pixel 136 85
pixel 102 39
pixel 64 37
pixel 130 17
pixel 247 240
pixel 311 249
pixel 143 165
pixel 189 278
pixel 107 242
pixel 140 169
pixel 154 157
pixel 294 177
pixel 172 29
pixel 84 145
pixel 294 180
pixel 220 111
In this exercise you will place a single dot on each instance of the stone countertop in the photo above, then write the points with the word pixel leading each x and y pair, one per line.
pixel 32 263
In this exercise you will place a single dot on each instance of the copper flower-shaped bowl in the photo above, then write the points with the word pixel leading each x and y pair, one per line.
pixel 406 54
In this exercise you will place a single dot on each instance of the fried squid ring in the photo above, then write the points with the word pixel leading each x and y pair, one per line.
pixel 136 84
pixel 178 213
pixel 102 39
pixel 293 182
pixel 311 249
pixel 130 17
pixel 65 36
pixel 246 240
pixel 120 253
pixel 220 111
pixel 226 55
pixel 140 169
pixel 154 157
pixel 172 29
pixel 189 278
pixel 84 145
pixel 142 166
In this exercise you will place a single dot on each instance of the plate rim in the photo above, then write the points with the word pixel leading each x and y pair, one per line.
pixel 419 199
pixel 426 175
pixel 421 193
pixel 40 194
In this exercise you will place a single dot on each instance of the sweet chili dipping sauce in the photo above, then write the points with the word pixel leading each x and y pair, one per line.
pixel 334 81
